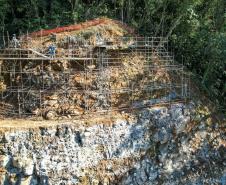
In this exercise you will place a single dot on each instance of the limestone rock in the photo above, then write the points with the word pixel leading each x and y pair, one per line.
pixel 3 176
pixel 4 160
pixel 162 136
pixel 180 125
pixel 75 152
pixel 26 165
pixel 50 115
pixel 27 181
pixel 17 162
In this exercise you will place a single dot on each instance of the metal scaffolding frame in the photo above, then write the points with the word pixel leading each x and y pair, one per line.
pixel 83 78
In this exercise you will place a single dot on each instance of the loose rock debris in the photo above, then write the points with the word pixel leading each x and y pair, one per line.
pixel 127 151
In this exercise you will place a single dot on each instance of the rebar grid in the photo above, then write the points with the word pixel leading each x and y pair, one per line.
pixel 82 78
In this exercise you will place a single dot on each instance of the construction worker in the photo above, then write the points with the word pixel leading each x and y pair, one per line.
pixel 52 51
pixel 99 40
pixel 15 42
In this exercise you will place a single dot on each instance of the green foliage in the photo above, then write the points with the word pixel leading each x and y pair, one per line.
pixel 201 40
pixel 195 28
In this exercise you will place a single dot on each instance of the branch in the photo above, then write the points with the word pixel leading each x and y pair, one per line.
pixel 170 30
pixel 174 26
pixel 161 21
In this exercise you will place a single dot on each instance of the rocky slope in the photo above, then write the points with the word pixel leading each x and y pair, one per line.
pixel 159 145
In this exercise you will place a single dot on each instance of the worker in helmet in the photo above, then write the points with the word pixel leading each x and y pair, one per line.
pixel 52 51
pixel 15 42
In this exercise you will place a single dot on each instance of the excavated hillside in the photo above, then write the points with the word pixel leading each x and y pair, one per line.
pixel 97 65
pixel 175 143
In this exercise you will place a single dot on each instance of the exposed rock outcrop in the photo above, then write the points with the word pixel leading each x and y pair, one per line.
pixel 155 146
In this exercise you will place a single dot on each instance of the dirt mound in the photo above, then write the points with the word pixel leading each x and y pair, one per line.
pixel 100 22
pixel 90 33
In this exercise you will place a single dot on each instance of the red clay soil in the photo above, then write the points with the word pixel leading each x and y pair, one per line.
pixel 81 26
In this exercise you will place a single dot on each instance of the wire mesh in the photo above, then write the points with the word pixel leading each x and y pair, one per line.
pixel 82 78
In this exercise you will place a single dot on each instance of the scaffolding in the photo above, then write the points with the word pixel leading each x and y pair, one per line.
pixel 83 78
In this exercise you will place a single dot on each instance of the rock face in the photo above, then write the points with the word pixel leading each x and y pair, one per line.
pixel 182 155
pixel 153 147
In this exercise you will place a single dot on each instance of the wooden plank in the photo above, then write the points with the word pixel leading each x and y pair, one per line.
pixel 76 58
pixel 40 54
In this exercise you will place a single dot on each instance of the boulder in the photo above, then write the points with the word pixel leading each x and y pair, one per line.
pixel 162 135
pixel 26 165
pixel 180 124
pixel 50 115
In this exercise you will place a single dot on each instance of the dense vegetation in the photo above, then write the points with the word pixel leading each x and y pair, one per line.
pixel 196 28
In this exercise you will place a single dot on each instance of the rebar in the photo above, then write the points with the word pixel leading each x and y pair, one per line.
pixel 84 79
